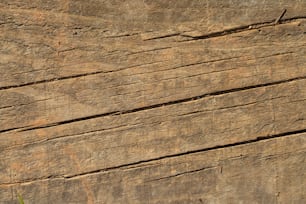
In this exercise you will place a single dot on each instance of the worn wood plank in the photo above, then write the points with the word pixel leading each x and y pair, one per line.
pixel 114 140
pixel 41 44
pixel 268 171
pixel 152 101
pixel 190 70
pixel 211 15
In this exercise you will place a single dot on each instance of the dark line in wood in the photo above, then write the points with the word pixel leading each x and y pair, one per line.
pixel 123 35
pixel 163 36
pixel 72 77
pixel 152 50
pixel 180 174
pixel 163 104
pixel 71 121
pixel 12 129
pixel 51 80
pixel 231 30
pixel 280 17
pixel 218 147
pixel 241 29
pixel 31 180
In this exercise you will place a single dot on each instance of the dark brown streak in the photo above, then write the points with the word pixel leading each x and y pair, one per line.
pixel 180 174
pixel 71 77
pixel 163 36
pixel 241 29
pixel 51 80
pixel 280 17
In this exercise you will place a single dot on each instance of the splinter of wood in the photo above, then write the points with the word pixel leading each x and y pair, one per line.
pixel 280 17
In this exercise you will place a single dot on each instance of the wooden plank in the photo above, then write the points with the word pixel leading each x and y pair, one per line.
pixel 268 171
pixel 211 15
pixel 152 102
pixel 190 70
pixel 58 45
pixel 115 140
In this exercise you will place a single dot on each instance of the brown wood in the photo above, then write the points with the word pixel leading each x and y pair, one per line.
pixel 197 68
pixel 152 101
pixel 269 171
pixel 105 142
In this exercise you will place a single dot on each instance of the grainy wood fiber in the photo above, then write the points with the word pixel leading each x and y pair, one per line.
pixel 153 101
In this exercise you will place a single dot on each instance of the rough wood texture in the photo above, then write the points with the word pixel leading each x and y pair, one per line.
pixel 153 101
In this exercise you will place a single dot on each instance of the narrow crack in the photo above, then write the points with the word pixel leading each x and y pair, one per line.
pixel 123 35
pixel 71 121
pixel 231 30
pixel 27 181
pixel 74 76
pixel 163 36
pixel 51 80
pixel 182 173
pixel 152 50
pixel 243 28
pixel 13 129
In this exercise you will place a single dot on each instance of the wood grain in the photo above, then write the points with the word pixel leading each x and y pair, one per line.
pixel 268 171
pixel 113 140
pixel 152 101
pixel 190 70
pixel 42 44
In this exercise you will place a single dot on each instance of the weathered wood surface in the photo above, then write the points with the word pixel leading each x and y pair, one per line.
pixel 152 102
pixel 269 171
